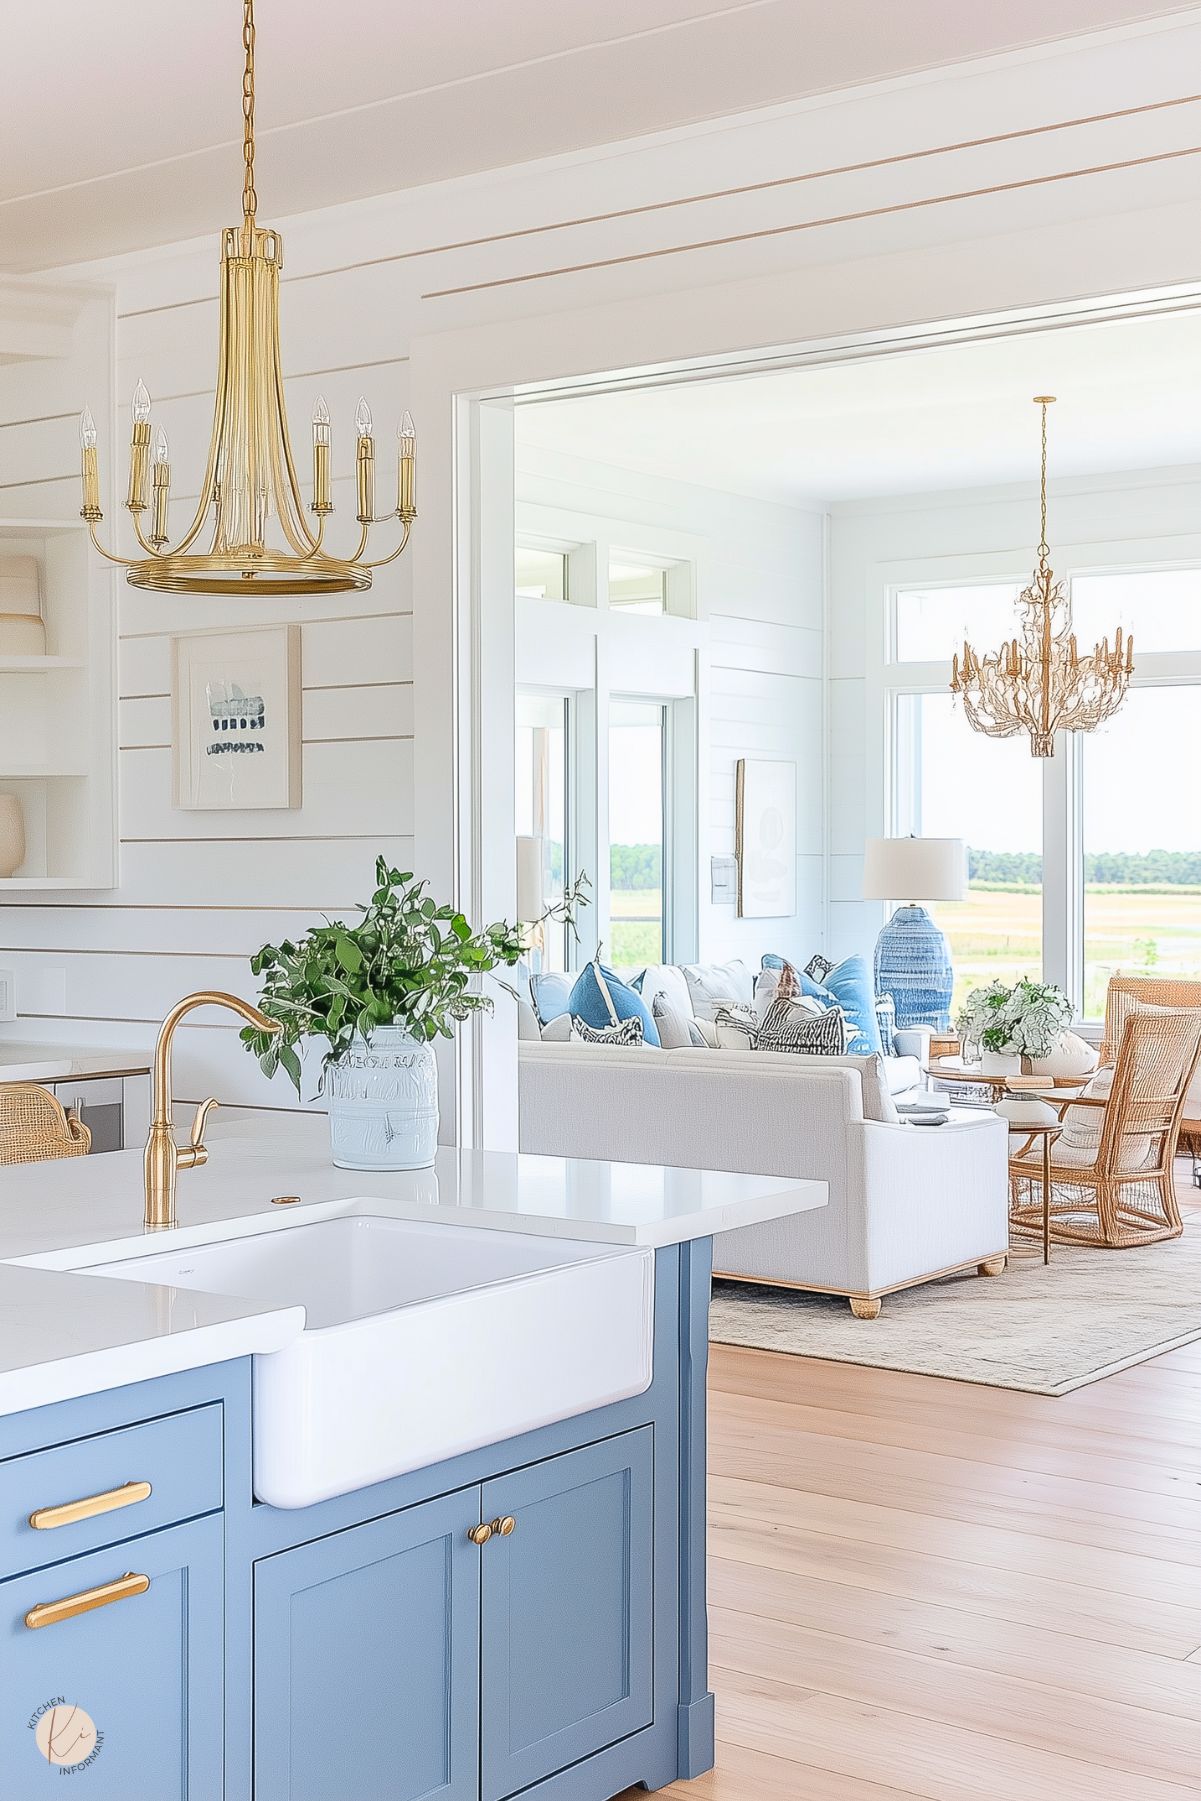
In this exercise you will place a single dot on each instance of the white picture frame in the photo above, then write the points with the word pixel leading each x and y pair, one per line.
pixel 235 717
pixel 766 839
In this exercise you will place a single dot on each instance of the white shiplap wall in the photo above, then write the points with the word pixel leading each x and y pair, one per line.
pixel 759 568
pixel 864 247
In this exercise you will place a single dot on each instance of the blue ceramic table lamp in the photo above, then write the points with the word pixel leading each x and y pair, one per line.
pixel 913 958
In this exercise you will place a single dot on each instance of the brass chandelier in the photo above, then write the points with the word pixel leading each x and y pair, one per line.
pixel 1038 682
pixel 250 477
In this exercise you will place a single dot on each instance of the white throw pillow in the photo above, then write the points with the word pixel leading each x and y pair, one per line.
pixel 557 1031
pixel 713 985
pixel 737 1028
pixel 671 1025
pixel 669 981
pixel 706 1033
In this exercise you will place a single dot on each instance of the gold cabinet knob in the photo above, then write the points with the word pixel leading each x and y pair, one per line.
pixel 479 1535
pixel 504 1527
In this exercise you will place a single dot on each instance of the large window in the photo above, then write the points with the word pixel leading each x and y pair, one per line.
pixel 952 783
pixel 541 810
pixel 1142 841
pixel 637 831
pixel 1083 864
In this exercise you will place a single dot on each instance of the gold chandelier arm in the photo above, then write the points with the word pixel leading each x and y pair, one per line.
pixel 151 549
pixel 382 562
pixel 109 555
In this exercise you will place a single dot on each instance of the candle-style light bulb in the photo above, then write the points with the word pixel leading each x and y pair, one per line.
pixel 321 503
pixel 362 418
pixel 141 403
pixel 87 430
pixel 365 463
pixel 162 454
pixel 406 467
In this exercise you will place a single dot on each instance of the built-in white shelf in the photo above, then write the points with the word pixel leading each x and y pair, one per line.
pixel 58 731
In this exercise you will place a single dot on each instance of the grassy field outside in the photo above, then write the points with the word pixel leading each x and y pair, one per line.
pixel 996 934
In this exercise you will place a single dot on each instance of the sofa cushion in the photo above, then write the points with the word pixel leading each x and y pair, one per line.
pixel 712 985
pixel 600 999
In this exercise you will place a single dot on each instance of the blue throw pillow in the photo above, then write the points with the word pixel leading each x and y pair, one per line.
pixel 849 985
pixel 588 1002
pixel 550 994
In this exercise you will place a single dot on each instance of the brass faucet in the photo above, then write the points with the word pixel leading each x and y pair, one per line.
pixel 164 1158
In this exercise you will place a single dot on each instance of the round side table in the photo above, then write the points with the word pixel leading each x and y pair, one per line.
pixel 954 1069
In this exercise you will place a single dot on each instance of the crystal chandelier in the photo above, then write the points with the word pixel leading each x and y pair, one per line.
pixel 1038 682
pixel 250 477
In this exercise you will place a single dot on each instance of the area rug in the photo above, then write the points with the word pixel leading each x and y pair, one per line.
pixel 1046 1329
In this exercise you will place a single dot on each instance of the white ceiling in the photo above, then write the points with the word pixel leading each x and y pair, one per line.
pixel 922 421
pixel 120 125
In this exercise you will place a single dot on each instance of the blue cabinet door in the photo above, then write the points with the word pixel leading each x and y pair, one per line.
pixel 126 1696
pixel 366 1680
pixel 567 1610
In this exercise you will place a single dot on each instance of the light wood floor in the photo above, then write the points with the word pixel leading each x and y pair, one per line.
pixel 925 1588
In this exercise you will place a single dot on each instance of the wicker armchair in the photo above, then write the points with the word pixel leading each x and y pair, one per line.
pixel 1155 991
pixel 1120 1191
pixel 34 1125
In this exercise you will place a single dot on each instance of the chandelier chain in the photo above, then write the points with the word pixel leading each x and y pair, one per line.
pixel 250 200
pixel 1044 548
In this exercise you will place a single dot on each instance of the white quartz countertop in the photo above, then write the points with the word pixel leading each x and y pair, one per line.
pixel 65 1334
pixel 21 1062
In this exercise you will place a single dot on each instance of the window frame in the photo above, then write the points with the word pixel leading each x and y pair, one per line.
pixel 1063 886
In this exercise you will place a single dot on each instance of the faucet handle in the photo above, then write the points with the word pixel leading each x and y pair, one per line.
pixel 199 1150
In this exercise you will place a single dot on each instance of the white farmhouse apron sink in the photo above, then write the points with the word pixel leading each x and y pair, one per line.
pixel 420 1341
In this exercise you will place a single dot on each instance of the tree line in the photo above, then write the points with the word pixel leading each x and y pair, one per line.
pixel 1121 868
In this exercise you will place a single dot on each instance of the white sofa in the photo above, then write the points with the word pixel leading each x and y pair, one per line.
pixel 907 1203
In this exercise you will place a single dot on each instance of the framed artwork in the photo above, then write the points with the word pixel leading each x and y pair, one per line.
pixel 766 839
pixel 236 718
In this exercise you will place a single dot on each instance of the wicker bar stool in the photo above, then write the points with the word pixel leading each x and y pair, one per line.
pixel 1115 1188
pixel 34 1125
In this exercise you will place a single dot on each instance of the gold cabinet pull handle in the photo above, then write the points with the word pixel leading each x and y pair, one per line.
pixel 49 1613
pixel 479 1535
pixel 45 1519
pixel 503 1528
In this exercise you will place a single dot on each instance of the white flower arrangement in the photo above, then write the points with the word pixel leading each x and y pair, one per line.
pixel 1025 1020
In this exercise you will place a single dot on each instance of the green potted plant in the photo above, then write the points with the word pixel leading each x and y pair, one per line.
pixel 1012 1023
pixel 377 994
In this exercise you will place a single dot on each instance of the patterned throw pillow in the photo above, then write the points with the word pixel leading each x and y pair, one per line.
pixel 788 1028
pixel 625 1032
pixel 737 1027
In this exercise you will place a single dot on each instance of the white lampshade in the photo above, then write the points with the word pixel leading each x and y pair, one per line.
pixel 531 903
pixel 914 869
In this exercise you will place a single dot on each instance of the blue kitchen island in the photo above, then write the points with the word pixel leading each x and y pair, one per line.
pixel 524 1615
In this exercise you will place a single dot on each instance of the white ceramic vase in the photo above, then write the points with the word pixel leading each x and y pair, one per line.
pixel 12 835
pixel 1000 1063
pixel 383 1102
